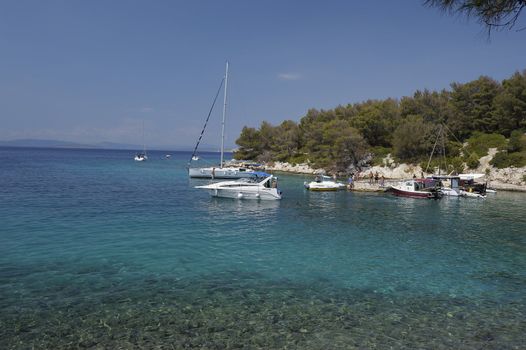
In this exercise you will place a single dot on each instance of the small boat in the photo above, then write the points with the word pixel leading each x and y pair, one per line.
pixel 461 185
pixel 195 158
pixel 323 183
pixel 140 157
pixel 417 188
pixel 263 188
pixel 168 156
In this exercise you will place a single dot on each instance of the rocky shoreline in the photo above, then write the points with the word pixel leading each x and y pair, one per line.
pixel 507 179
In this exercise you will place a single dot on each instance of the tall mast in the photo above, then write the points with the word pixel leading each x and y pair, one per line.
pixel 143 141
pixel 224 113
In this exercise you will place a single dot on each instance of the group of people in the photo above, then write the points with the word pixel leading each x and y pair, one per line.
pixel 373 179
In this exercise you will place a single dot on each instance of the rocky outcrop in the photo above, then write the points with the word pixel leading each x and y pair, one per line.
pixel 290 168
pixel 511 178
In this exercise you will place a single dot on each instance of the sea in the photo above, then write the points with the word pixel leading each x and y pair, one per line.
pixel 98 251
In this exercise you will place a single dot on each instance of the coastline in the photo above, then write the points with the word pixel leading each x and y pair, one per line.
pixel 506 179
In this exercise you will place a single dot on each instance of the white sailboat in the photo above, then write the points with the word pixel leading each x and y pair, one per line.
pixel 141 156
pixel 219 172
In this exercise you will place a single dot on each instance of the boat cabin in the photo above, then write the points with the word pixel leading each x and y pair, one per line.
pixel 322 178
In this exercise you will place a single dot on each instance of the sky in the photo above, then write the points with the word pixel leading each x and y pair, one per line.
pixel 95 71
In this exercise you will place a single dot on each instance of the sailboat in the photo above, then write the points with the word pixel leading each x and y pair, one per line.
pixel 455 185
pixel 142 156
pixel 221 171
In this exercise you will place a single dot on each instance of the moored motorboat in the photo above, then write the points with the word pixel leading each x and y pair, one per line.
pixel 421 188
pixel 461 185
pixel 323 183
pixel 264 188
pixel 449 184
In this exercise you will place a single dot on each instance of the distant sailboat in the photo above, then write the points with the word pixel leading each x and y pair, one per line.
pixel 142 156
pixel 219 172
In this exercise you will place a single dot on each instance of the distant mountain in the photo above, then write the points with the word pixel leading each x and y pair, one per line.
pixel 41 143
pixel 114 145
pixel 103 145
pixel 64 144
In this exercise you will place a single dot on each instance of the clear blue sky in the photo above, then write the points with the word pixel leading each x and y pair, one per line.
pixel 91 71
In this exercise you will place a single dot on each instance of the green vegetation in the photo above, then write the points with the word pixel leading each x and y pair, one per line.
pixel 504 159
pixel 480 114
pixel 514 154
pixel 472 161
pixel 479 143
pixel 492 14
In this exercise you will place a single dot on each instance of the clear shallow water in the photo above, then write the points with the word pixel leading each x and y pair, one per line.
pixel 97 250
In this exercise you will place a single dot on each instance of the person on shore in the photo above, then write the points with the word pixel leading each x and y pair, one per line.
pixel 382 181
pixel 351 182
pixel 376 177
pixel 371 176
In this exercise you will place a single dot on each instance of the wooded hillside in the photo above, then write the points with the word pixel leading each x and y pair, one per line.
pixel 483 111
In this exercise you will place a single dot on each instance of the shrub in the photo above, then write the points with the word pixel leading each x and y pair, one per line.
pixel 456 165
pixel 479 143
pixel 379 153
pixel 504 159
pixel 517 141
pixel 298 159
pixel 472 161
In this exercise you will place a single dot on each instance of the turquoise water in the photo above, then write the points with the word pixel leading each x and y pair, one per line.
pixel 99 251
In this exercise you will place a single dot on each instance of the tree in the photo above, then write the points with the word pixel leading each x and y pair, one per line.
pixel 249 142
pixel 376 120
pixel 413 139
pixel 473 108
pixel 432 106
pixel 286 140
pixel 491 13
pixel 510 105
pixel 343 145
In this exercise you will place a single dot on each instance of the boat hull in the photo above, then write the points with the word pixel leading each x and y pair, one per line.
pixel 412 194
pixel 468 194
pixel 323 189
pixel 220 173
pixel 450 192
pixel 266 189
